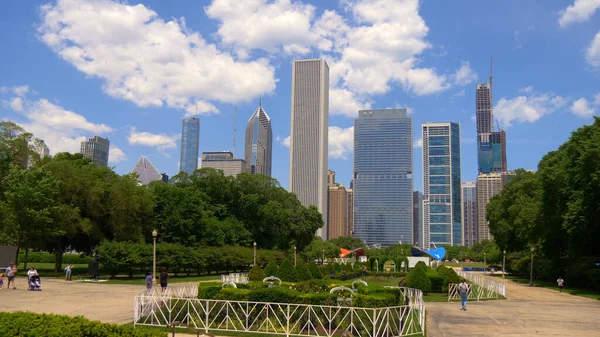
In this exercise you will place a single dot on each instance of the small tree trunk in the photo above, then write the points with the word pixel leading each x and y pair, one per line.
pixel 58 254
pixel 26 253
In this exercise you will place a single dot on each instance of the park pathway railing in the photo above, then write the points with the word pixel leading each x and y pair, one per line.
pixel 481 289
pixel 282 318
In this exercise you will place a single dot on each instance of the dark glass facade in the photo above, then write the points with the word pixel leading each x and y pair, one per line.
pixel 382 182
pixel 190 141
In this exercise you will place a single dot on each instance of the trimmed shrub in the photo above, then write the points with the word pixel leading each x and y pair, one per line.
pixel 287 272
pixel 233 294
pixel 319 299
pixel 315 271
pixel 271 269
pixel 256 273
pixel 418 279
pixel 421 265
pixel 437 281
pixel 43 325
pixel 208 293
pixel 374 300
pixel 313 286
pixel 275 295
pixel 303 272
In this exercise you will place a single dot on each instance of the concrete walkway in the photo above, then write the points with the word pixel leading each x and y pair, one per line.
pixel 527 311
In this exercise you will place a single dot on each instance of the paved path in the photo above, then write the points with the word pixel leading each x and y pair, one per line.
pixel 104 302
pixel 526 312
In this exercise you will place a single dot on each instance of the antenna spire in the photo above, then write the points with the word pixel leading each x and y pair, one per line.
pixel 260 101
pixel 234 131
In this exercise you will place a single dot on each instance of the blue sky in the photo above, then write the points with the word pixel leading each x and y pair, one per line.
pixel 131 71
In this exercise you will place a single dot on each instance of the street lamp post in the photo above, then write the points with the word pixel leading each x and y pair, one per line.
pixel 352 239
pixel 294 255
pixel 154 235
pixel 254 252
pixel 504 263
pixel 531 270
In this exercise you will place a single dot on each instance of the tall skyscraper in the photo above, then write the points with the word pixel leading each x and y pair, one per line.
pixel 258 149
pixel 418 218
pixel 146 172
pixel 441 184
pixel 190 142
pixel 308 135
pixel 225 162
pixel 469 213
pixel 383 186
pixel 96 149
pixel 350 217
pixel 338 212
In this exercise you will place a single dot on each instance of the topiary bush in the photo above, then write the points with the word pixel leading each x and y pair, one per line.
pixel 303 272
pixel 271 269
pixel 256 273
pixel 43 325
pixel 287 272
pixel 421 265
pixel 418 279
pixel 275 295
pixel 208 293
pixel 437 281
pixel 315 271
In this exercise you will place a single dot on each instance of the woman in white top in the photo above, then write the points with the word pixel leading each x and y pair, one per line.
pixel 34 279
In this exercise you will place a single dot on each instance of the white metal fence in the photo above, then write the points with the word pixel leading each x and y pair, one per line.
pixel 483 288
pixel 283 318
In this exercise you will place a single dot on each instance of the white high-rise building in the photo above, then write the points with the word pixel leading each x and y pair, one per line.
pixel 308 135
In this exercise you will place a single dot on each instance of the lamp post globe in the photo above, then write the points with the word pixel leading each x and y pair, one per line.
pixel 294 255
pixel 254 244
pixel 503 263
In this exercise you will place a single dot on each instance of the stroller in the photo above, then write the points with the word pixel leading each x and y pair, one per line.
pixel 34 283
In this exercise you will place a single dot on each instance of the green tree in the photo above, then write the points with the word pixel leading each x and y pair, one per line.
pixel 303 272
pixel 256 273
pixel 347 242
pixel 271 269
pixel 417 279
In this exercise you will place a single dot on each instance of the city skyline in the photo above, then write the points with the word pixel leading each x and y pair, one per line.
pixel 138 103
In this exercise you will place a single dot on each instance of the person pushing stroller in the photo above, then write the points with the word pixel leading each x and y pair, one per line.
pixel 34 280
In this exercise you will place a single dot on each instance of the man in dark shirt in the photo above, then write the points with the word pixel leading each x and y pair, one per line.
pixel 164 280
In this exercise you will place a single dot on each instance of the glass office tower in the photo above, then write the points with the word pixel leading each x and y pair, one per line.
pixel 442 208
pixel 190 139
pixel 383 186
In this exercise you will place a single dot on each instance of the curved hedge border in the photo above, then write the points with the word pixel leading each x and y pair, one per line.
pixel 43 325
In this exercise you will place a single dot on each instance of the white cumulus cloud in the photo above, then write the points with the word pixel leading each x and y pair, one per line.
pixel 582 109
pixel 344 102
pixel 16 104
pixel 159 141
pixel 341 142
pixel 592 54
pixel 579 11
pixel 527 108
pixel 21 90
pixel 465 74
pixel 145 59
pixel 418 143
pixel 597 99
pixel 116 155
pixel 526 90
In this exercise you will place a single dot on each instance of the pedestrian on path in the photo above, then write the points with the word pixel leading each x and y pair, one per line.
pixel 68 272
pixel 164 280
pixel 11 271
pixel 149 283
pixel 463 290
pixel 560 283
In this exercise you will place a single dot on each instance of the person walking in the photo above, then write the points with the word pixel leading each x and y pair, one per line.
pixel 463 290
pixel 560 283
pixel 68 272
pixel 149 283
pixel 164 280
pixel 10 275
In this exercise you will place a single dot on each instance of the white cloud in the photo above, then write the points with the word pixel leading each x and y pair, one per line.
pixel 526 90
pixel 62 130
pixel 409 110
pixel 529 108
pixel 160 141
pixel 284 141
pixel 341 142
pixel 21 90
pixel 200 107
pixel 592 54
pixel 597 99
pixel 465 74
pixel 116 155
pixel 17 104
pixel 145 59
pixel 460 93
pixel 579 11
pixel 344 102
pixel 582 109
pixel 418 143
pixel 474 118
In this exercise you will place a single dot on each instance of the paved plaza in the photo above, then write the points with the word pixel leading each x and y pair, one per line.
pixel 526 312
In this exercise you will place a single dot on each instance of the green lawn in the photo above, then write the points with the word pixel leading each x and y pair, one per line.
pixel 589 293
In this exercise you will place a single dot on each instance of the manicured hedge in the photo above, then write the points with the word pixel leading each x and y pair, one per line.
pixel 45 257
pixel 271 269
pixel 417 278
pixel 43 325
pixel 287 272
pixel 437 281
pixel 256 273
